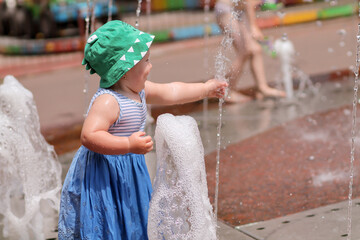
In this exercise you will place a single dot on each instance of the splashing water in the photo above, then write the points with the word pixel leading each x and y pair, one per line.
pixel 148 14
pixel 285 49
pixel 149 119
pixel 110 10
pixel 353 134
pixel 206 56
pixel 138 11
pixel 86 73
pixel 93 17
pixel 221 66
pixel 30 175
pixel 304 83
pixel 180 207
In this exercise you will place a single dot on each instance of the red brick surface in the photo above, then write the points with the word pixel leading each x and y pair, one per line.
pixel 276 173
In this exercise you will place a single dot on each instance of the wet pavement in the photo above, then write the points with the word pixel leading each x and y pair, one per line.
pixel 282 158
pixel 328 222
pixel 298 159
pixel 281 161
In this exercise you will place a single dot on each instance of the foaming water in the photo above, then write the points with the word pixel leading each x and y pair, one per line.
pixel 180 207
pixel 286 51
pixel 284 48
pixel 30 175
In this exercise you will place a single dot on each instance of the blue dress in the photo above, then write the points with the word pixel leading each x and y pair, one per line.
pixel 107 196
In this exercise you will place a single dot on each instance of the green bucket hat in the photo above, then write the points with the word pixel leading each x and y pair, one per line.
pixel 113 49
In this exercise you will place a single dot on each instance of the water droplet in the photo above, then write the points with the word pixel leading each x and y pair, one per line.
pixel 347 112
pixel 330 50
pixel 280 14
pixel 342 44
pixel 341 32
pixel 333 3
pixel 319 23
pixel 349 53
pixel 311 158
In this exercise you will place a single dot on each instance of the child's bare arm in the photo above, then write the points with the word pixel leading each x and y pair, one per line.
pixel 179 92
pixel 95 136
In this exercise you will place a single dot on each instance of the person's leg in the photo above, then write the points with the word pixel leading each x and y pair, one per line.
pixel 225 22
pixel 258 71
pixel 241 57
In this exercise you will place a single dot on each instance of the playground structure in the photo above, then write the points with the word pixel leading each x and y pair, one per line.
pixel 43 19
pixel 43 26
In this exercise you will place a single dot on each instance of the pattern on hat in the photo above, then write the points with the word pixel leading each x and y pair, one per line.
pixel 136 51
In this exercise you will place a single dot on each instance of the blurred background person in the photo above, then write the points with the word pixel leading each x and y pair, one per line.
pixel 241 24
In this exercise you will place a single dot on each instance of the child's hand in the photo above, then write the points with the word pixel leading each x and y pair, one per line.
pixel 215 88
pixel 139 143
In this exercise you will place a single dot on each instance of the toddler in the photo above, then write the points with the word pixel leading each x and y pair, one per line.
pixel 107 189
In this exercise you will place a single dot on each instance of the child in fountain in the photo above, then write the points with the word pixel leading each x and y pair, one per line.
pixel 241 24
pixel 107 189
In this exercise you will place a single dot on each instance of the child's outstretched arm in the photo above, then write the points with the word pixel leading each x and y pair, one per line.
pixel 95 136
pixel 179 92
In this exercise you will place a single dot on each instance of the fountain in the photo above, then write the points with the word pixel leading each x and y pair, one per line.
pixel 180 207
pixel 285 49
pixel 353 135
pixel 138 11
pixel 30 175
pixel 87 73
pixel 207 29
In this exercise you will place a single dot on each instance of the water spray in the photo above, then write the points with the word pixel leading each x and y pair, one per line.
pixel 353 134
pixel 285 50
pixel 86 73
pixel 206 58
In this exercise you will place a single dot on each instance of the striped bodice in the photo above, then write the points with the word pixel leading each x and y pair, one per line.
pixel 132 116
